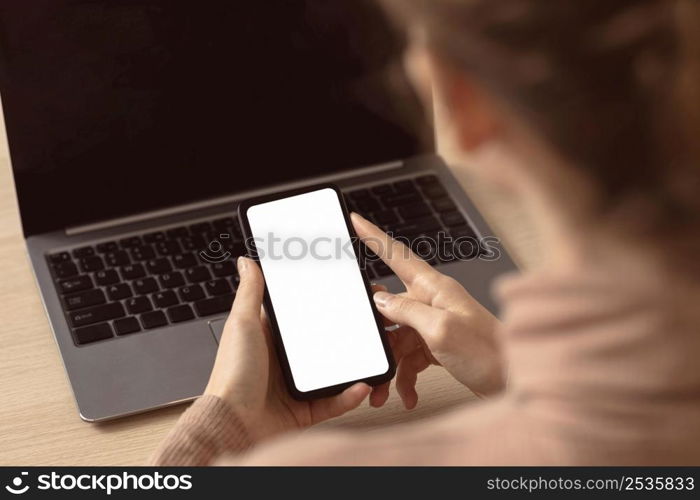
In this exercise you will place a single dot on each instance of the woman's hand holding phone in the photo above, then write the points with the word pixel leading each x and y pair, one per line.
pixel 247 375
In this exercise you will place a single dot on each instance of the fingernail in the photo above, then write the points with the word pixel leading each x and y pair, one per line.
pixel 382 299
pixel 242 265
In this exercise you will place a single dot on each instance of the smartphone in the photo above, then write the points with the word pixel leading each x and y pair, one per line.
pixel 327 331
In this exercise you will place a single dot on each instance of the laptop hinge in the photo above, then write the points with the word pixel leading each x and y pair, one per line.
pixel 190 207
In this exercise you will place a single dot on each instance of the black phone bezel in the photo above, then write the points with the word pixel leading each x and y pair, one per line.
pixel 269 308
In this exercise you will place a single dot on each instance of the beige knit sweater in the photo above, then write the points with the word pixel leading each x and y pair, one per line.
pixel 604 368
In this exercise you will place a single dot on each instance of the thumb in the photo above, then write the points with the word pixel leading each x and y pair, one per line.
pixel 349 399
pixel 250 291
pixel 408 312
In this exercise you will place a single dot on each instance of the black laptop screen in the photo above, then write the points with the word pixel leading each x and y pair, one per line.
pixel 118 107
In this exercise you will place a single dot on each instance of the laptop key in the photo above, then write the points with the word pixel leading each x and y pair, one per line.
pixel 133 272
pixel 97 314
pixel 65 270
pixel 117 258
pixel 169 247
pixel 224 234
pixel 125 326
pixel 171 280
pixel 405 187
pixel 154 237
pixel 142 252
pixel 223 269
pixel 382 189
pixel 216 305
pixel 191 293
pixel 212 237
pixel 130 242
pixel 414 212
pixel 454 219
pixel 153 319
pixel 444 205
pixel 434 192
pixel 402 200
pixel 177 232
pixel 225 223
pixel 360 193
pixel 145 285
pixel 119 291
pixel 57 258
pixel 233 232
pixel 367 205
pixel 107 246
pixel 385 217
pixel 417 227
pixel 138 305
pixel 183 261
pixel 84 299
pixel 105 278
pixel 201 227
pixel 92 264
pixel 165 299
pixel 427 180
pixel 194 242
pixel 75 284
pixel 238 248
pixel 218 287
pixel 463 232
pixel 159 266
pixel 83 252
pixel 197 274
pixel 180 313
pixel 93 333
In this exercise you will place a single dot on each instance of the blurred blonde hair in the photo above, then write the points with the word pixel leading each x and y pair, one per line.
pixel 612 85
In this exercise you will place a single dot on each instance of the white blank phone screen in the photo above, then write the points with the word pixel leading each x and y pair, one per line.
pixel 323 312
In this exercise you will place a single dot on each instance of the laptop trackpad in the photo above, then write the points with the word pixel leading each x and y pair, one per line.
pixel 217 328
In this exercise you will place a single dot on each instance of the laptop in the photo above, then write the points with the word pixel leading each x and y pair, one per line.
pixel 136 127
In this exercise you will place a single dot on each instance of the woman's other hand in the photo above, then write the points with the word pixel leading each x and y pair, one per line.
pixel 439 322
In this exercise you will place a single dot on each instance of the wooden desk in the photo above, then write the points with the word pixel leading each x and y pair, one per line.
pixel 39 423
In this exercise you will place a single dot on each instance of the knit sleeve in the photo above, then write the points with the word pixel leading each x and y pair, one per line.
pixel 206 430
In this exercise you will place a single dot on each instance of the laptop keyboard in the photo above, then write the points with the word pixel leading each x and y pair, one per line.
pixel 151 280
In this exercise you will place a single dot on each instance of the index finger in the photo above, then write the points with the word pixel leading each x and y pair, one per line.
pixel 407 265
